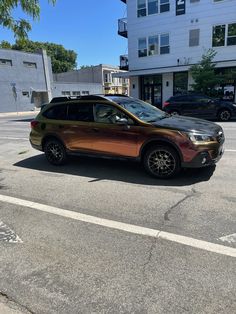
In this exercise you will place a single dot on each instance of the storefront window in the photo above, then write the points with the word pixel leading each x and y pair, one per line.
pixel 180 83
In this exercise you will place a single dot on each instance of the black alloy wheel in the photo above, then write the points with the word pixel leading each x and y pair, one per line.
pixel 224 115
pixel 161 162
pixel 55 152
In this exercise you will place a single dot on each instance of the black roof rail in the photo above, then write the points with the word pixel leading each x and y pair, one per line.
pixel 73 98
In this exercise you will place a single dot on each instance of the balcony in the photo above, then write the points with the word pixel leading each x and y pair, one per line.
pixel 124 63
pixel 122 27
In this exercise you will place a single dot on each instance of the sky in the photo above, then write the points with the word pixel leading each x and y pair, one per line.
pixel 88 27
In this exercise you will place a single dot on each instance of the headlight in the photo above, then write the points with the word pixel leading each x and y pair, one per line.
pixel 200 137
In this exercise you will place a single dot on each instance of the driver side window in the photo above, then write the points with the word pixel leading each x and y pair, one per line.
pixel 108 114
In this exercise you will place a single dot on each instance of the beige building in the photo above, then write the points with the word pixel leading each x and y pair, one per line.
pixel 99 74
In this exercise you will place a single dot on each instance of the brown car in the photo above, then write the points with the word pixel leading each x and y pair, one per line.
pixel 123 127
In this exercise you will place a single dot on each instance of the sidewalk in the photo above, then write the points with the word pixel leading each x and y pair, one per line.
pixel 19 114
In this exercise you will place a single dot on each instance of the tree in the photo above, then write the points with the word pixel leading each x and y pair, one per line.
pixel 203 73
pixel 20 27
pixel 62 60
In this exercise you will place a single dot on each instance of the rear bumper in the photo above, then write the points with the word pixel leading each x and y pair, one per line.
pixel 204 159
pixel 38 147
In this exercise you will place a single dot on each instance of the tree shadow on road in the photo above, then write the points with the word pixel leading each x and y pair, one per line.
pixel 96 169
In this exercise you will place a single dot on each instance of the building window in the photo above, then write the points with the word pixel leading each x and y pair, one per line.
pixel 142 10
pixel 194 35
pixel 180 83
pixel 164 44
pixel 5 62
pixel 142 47
pixel 76 93
pixel 150 7
pixel 85 92
pixel 218 38
pixel 30 64
pixel 231 38
pixel 152 45
pixel 25 93
pixel 65 93
pixel 164 6
pixel 224 35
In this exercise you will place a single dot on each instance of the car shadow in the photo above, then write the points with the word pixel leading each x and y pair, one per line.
pixel 96 169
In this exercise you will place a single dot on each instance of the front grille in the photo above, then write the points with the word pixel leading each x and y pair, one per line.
pixel 220 137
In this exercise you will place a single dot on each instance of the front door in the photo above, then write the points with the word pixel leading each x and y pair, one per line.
pixel 152 90
pixel 110 137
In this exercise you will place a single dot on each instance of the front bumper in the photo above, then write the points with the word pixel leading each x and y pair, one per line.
pixel 205 158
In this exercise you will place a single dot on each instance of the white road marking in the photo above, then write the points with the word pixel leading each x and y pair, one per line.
pixel 231 238
pixel 199 244
pixel 230 150
pixel 14 138
pixel 8 235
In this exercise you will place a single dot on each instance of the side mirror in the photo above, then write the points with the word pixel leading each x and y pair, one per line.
pixel 121 121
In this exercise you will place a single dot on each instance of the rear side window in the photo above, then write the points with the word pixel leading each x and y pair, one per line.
pixel 56 112
pixel 80 112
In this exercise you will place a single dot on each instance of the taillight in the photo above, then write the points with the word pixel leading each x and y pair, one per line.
pixel 166 103
pixel 33 124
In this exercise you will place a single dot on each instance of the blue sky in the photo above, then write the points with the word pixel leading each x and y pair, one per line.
pixel 87 27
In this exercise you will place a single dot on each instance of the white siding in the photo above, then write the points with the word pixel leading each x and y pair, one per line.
pixel 200 15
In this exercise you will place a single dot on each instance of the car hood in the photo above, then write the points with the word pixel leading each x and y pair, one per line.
pixel 187 124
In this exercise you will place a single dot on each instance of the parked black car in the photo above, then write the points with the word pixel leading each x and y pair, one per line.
pixel 200 106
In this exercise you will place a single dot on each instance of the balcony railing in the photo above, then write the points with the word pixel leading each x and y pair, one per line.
pixel 122 27
pixel 124 63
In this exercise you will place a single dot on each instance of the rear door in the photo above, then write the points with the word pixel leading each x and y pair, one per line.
pixel 191 107
pixel 77 129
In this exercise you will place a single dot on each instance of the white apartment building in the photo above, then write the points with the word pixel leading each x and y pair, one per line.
pixel 166 37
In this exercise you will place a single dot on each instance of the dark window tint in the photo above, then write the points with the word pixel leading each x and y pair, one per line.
pixel 80 112
pixel 56 112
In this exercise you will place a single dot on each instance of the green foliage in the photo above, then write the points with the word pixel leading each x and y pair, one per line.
pixel 20 27
pixel 5 45
pixel 203 73
pixel 62 60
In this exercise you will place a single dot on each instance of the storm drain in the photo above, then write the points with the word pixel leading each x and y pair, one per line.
pixel 8 235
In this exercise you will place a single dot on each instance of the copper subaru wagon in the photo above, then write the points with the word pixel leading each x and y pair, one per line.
pixel 118 126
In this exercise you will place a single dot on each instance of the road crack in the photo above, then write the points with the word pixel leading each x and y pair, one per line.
pixel 192 193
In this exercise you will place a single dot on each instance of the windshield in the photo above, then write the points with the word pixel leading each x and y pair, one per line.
pixel 142 110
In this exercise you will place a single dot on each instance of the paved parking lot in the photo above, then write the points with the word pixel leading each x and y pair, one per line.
pixel 100 236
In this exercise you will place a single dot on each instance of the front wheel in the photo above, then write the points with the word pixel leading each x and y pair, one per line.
pixel 55 152
pixel 161 162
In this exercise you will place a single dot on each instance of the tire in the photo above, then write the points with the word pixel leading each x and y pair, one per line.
pixel 55 152
pixel 224 115
pixel 161 161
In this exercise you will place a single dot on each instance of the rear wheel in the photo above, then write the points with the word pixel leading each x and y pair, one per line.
pixel 161 162
pixel 55 152
pixel 224 115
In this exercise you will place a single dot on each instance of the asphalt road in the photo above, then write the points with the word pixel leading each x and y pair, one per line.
pixel 58 257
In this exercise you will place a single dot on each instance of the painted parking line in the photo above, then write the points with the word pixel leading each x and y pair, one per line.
pixel 230 150
pixel 158 234
pixel 14 138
